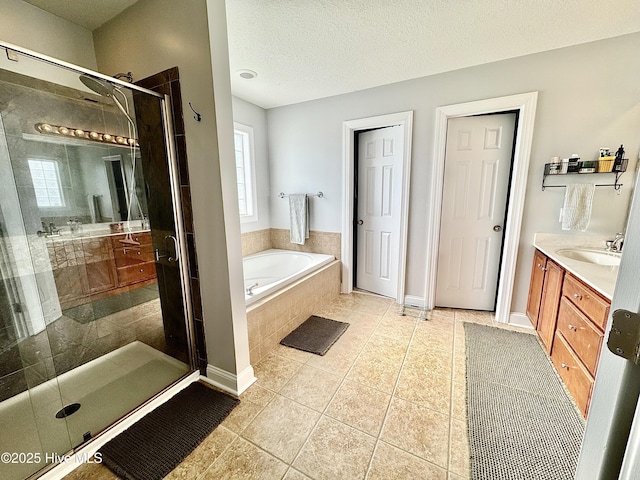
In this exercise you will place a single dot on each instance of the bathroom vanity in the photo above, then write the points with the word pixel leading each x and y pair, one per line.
pixel 100 265
pixel 572 283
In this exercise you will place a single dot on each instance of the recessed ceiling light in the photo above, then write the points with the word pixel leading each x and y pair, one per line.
pixel 247 74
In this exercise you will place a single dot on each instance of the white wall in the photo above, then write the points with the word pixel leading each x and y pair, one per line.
pixel 29 27
pixel 181 38
pixel 256 117
pixel 589 96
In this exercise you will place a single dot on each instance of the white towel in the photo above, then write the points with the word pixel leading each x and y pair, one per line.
pixel 576 212
pixel 299 217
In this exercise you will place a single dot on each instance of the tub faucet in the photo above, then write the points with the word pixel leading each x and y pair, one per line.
pixel 249 290
pixel 615 245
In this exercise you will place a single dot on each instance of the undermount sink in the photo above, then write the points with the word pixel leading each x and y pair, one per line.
pixel 594 256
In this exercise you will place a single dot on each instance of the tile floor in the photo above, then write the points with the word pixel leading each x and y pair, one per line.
pixel 386 402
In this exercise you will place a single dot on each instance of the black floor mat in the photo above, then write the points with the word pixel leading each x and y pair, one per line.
pixel 315 335
pixel 156 444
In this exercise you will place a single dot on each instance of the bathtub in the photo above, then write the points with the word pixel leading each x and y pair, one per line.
pixel 274 269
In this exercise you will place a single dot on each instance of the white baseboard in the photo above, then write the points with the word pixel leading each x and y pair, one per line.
pixel 82 454
pixel 229 382
pixel 413 301
pixel 519 320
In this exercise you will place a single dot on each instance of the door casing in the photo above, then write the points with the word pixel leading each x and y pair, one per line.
pixel 525 104
pixel 348 138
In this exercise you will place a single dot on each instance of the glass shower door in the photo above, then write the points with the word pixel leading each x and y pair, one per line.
pixel 92 295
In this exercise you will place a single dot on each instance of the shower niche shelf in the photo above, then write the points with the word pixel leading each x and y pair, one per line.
pixel 599 167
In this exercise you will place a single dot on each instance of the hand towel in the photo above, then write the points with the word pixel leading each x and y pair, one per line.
pixel 576 212
pixel 299 217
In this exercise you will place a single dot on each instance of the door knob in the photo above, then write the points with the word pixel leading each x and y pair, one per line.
pixel 497 228
pixel 360 222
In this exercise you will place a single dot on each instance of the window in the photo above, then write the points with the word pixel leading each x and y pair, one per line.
pixel 243 140
pixel 46 182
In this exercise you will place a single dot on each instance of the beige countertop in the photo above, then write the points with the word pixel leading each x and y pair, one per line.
pixel 600 277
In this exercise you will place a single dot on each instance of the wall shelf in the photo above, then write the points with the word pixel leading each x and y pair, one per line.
pixel 600 167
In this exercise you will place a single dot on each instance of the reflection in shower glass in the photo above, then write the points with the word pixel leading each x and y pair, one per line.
pixel 85 333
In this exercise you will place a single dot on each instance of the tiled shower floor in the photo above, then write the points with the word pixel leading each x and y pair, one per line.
pixel 386 402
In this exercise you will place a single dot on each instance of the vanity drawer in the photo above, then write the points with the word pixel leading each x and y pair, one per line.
pixel 136 273
pixel 576 378
pixel 580 334
pixel 143 238
pixel 587 300
pixel 131 255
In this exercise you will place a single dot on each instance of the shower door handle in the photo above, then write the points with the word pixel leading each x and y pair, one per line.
pixel 176 249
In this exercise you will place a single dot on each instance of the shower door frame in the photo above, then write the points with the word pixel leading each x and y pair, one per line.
pixel 170 149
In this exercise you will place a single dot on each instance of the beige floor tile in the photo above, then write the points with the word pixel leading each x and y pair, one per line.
pixel 335 451
pixel 338 360
pixel 390 463
pixel 359 406
pixel 92 471
pixel 198 461
pixel 334 312
pixel 242 460
pixel 437 362
pixel 293 474
pixel 396 327
pixel 418 430
pixel 282 427
pixel 459 460
pixel 432 342
pixel 258 395
pixel 453 476
pixel 360 317
pixel 274 371
pixel 312 387
pixel 349 301
pixel 475 316
pixel 241 416
pixel 459 400
pixel 391 348
pixel 292 353
pixel 419 385
pixel 375 371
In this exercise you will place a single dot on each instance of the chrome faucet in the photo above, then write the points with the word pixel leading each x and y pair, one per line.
pixel 249 290
pixel 615 245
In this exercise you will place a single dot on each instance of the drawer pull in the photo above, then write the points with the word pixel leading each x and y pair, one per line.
pixel 577 296
pixel 564 365
pixel 572 327
pixel 141 270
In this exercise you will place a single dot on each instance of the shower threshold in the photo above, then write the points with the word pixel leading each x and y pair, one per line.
pixel 106 388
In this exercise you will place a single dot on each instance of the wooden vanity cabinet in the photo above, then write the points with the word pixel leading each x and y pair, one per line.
pixel 135 261
pixel 571 321
pixel 535 288
pixel 549 304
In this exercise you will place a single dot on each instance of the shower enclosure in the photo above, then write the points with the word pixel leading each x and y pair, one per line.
pixel 94 319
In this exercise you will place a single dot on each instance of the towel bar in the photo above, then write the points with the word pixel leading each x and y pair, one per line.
pixel 319 195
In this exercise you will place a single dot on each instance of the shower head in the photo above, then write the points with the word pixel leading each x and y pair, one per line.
pixel 106 89
pixel 101 87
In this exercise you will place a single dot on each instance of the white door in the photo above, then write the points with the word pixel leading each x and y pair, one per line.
pixel 380 157
pixel 476 178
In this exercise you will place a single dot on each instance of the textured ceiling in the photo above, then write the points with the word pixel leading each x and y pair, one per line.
pixel 308 49
pixel 89 14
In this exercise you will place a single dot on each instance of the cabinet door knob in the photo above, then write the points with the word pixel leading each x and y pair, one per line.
pixel 572 327
pixel 564 365
pixel 577 296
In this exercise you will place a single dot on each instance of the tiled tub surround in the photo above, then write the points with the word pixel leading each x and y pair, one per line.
pixel 270 319
pixel 318 242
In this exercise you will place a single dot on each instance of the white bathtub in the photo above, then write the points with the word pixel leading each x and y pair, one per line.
pixel 274 269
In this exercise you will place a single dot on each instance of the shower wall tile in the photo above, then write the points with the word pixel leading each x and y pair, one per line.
pixel 168 82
